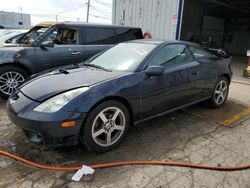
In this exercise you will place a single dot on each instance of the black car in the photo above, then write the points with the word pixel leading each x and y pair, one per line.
pixel 98 100
pixel 60 44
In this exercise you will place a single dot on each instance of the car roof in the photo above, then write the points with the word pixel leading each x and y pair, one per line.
pixel 81 24
pixel 160 42
pixel 46 24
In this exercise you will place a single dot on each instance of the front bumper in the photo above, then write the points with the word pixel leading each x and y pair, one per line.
pixel 44 128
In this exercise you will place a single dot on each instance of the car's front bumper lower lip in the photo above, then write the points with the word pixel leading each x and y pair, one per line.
pixel 45 128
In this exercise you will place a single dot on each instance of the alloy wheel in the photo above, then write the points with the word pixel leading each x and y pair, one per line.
pixel 108 126
pixel 221 91
pixel 9 81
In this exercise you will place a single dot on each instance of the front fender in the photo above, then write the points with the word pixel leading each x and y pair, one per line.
pixel 10 55
pixel 126 87
pixel 6 58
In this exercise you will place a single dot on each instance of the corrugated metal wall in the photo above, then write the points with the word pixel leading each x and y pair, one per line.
pixel 156 16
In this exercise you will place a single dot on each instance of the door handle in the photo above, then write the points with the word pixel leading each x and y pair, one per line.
pixel 76 53
pixel 195 73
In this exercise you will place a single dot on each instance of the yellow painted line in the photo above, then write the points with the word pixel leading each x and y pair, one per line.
pixel 236 117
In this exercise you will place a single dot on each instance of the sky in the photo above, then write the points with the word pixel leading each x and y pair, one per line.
pixel 62 10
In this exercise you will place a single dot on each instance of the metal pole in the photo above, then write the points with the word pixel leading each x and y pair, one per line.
pixel 88 5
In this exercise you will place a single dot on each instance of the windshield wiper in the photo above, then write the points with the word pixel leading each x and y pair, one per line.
pixel 96 66
pixel 63 71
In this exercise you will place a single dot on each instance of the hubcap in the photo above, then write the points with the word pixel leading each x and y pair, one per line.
pixel 108 126
pixel 221 92
pixel 9 81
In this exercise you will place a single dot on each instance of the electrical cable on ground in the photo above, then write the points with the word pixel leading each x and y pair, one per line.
pixel 115 164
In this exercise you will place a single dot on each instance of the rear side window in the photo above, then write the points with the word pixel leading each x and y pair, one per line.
pixel 100 36
pixel 125 34
pixel 199 53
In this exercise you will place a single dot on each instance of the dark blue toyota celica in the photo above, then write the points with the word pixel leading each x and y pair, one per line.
pixel 98 100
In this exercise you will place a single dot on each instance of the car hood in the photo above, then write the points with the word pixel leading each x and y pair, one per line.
pixel 46 85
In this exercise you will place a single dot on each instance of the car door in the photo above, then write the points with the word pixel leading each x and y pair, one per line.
pixel 179 85
pixel 67 48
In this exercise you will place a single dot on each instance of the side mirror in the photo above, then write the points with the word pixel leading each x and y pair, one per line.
pixel 154 71
pixel 47 44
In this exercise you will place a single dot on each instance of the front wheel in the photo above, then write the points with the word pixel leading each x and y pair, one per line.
pixel 10 78
pixel 220 93
pixel 106 126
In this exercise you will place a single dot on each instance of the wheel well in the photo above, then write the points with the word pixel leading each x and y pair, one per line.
pixel 17 65
pixel 120 99
pixel 227 76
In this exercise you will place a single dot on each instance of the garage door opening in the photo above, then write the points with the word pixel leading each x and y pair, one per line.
pixel 218 23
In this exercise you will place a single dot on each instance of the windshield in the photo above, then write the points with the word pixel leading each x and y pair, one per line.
pixel 30 36
pixel 122 57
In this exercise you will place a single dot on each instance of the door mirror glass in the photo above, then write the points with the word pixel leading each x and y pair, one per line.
pixel 47 44
pixel 154 71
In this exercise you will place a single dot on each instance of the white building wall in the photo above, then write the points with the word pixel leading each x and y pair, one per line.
pixel 15 20
pixel 156 16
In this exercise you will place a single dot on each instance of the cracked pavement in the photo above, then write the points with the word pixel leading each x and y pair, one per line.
pixel 195 134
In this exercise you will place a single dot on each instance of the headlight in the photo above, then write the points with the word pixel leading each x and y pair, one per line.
pixel 56 103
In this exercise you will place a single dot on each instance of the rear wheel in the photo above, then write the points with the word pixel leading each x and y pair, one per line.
pixel 106 126
pixel 220 93
pixel 10 78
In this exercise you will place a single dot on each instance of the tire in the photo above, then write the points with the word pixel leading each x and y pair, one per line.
pixel 101 125
pixel 10 78
pixel 220 93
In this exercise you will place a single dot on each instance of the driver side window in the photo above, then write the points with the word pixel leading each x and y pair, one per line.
pixel 64 36
pixel 171 54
